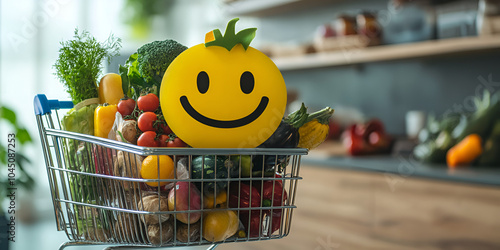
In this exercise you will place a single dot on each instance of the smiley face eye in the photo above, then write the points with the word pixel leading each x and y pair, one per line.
pixel 247 82
pixel 202 81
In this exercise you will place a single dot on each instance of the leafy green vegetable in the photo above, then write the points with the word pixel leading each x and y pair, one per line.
pixel 80 63
pixel 80 121
pixel 483 119
pixel 145 69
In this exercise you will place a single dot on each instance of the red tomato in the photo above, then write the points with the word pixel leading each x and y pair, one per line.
pixel 126 106
pixel 149 102
pixel 146 121
pixel 176 142
pixel 164 128
pixel 162 141
pixel 147 139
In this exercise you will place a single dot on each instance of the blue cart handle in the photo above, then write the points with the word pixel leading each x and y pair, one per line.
pixel 43 105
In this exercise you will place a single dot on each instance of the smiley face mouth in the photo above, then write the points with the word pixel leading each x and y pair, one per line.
pixel 224 124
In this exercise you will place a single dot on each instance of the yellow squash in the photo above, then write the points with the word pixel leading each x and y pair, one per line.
pixel 315 129
pixel 104 117
pixel 312 134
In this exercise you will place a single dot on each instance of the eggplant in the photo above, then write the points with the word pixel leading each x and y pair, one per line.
pixel 285 136
pixel 268 164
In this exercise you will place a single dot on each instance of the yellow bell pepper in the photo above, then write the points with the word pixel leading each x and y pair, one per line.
pixel 104 117
pixel 208 200
pixel 110 89
pixel 220 224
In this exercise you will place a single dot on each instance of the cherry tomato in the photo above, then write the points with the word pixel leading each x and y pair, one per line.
pixel 147 139
pixel 176 142
pixel 146 121
pixel 149 102
pixel 165 129
pixel 126 106
pixel 162 141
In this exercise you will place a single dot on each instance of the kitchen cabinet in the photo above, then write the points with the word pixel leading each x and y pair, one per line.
pixel 429 49
pixel 268 7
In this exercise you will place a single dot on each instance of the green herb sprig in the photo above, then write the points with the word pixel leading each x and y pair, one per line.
pixel 80 63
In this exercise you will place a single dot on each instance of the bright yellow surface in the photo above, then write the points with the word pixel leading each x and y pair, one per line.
pixel 110 89
pixel 224 100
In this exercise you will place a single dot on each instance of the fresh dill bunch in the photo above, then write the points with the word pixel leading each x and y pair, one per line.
pixel 80 63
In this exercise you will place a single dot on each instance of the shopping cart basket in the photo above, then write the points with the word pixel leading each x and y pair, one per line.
pixel 99 197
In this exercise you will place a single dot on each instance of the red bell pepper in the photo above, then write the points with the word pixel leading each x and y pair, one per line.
pixel 361 139
pixel 278 199
pixel 255 223
pixel 354 143
pixel 273 197
pixel 245 192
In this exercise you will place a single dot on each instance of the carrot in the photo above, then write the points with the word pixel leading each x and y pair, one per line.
pixel 465 151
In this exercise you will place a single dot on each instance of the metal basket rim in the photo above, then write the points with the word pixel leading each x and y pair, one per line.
pixel 146 151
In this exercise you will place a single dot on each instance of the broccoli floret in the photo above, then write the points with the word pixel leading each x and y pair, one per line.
pixel 155 57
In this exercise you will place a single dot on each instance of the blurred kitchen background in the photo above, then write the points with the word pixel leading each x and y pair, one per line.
pixel 412 68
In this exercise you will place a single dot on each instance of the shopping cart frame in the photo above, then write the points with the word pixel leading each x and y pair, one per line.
pixel 60 173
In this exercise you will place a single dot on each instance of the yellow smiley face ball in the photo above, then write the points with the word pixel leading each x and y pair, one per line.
pixel 224 93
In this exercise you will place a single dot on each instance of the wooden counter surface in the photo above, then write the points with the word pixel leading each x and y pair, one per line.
pixel 341 209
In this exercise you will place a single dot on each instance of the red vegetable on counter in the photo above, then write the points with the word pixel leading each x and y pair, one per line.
pixel 368 138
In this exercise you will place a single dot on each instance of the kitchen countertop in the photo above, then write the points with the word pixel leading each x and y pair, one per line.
pixel 400 166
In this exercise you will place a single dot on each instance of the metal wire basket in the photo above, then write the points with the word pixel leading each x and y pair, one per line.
pixel 99 196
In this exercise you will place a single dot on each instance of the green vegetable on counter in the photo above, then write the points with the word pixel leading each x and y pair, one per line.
pixel 441 135
pixel 491 153
pixel 80 63
pixel 483 119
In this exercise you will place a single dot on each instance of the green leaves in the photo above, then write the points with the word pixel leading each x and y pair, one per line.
pixel 8 115
pixel 230 38
pixel 80 63
pixel 298 118
pixel 22 135
pixel 135 83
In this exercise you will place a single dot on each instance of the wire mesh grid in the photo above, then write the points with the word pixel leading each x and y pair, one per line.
pixel 99 196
